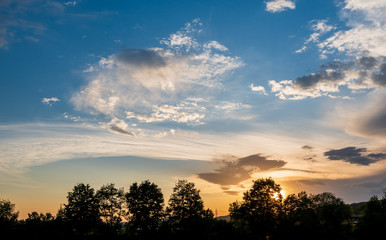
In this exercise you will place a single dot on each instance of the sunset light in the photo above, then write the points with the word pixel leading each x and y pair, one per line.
pixel 210 98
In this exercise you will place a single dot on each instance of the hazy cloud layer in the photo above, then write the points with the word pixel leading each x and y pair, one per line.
pixel 172 83
pixel 279 5
pixel 15 20
pixel 363 73
pixel 355 155
pixel 235 170
pixel 364 118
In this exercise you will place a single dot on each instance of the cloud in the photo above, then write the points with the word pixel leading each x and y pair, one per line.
pixel 185 112
pixel 279 5
pixel 259 89
pixel 117 126
pixel 71 3
pixel 320 28
pixel 236 170
pixel 155 84
pixel 50 101
pixel 18 17
pixel 307 147
pixel 232 193
pixel 231 106
pixel 366 118
pixel 362 73
pixel 366 33
pixel 355 155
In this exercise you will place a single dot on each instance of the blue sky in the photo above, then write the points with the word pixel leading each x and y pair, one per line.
pixel 231 90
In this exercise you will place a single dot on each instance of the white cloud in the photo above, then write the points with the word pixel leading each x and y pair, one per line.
pixel 320 28
pixel 50 101
pixel 117 126
pixel 90 69
pixel 279 5
pixel 216 45
pixel 322 83
pixel 154 85
pixel 71 3
pixel 232 106
pixel 181 113
pixel 367 33
pixel 260 89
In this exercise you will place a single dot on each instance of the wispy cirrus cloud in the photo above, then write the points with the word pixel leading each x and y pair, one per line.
pixel 158 84
pixel 320 28
pixel 279 5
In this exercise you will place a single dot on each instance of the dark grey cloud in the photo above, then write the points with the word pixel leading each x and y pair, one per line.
pixel 141 57
pixel 117 129
pixel 236 170
pixel 379 77
pixel 309 81
pixel 366 67
pixel 354 155
pixel 310 158
pixel 307 147
pixel 367 62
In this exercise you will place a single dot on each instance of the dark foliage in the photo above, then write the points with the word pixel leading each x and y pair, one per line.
pixel 145 204
pixel 262 214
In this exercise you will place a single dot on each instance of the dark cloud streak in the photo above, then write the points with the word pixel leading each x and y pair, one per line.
pixel 367 67
pixel 237 170
pixel 141 57
pixel 354 155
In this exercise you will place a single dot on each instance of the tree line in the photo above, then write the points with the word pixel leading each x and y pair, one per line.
pixel 140 213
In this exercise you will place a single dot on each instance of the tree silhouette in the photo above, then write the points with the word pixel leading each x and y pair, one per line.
pixel 333 214
pixel 82 209
pixel 8 218
pixel 299 218
pixel 257 214
pixel 187 217
pixel 111 204
pixel 185 202
pixel 145 203
pixel 373 223
pixel 7 212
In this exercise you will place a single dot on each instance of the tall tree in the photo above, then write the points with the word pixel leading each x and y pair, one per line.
pixel 8 219
pixel 373 223
pixel 145 203
pixel 7 212
pixel 299 219
pixel 334 216
pixel 185 202
pixel 82 209
pixel 111 204
pixel 257 214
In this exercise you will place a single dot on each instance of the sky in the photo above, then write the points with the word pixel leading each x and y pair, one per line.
pixel 216 92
